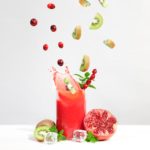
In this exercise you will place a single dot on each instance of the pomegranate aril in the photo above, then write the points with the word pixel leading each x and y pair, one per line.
pixel 45 47
pixel 51 6
pixel 60 62
pixel 112 120
pixel 53 28
pixel 110 130
pixel 104 115
pixel 60 44
pixel 33 22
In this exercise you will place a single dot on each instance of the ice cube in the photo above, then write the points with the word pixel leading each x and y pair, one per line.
pixel 79 135
pixel 50 138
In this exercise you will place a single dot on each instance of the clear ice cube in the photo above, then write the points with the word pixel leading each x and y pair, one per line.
pixel 50 138
pixel 79 135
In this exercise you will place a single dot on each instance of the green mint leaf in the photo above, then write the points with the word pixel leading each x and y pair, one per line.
pixel 61 137
pixel 92 86
pixel 91 138
pixel 61 132
pixel 53 129
pixel 87 74
pixel 78 75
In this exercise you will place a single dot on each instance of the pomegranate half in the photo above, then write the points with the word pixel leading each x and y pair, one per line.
pixel 101 123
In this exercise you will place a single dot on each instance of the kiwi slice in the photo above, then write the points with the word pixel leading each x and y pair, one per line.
pixel 98 22
pixel 110 43
pixel 42 128
pixel 103 3
pixel 85 63
pixel 84 3
pixel 77 33
pixel 39 133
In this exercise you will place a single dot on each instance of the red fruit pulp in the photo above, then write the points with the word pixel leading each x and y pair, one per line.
pixel 70 107
pixel 101 123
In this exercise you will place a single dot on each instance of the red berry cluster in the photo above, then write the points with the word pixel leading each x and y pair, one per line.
pixel 92 77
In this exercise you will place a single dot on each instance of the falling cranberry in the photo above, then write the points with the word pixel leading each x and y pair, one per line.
pixel 45 47
pixel 60 62
pixel 33 22
pixel 51 6
pixel 53 28
pixel 60 45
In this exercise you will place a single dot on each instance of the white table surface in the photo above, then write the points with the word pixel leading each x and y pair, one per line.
pixel 19 137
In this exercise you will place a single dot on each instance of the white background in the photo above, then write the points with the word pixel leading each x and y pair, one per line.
pixel 27 92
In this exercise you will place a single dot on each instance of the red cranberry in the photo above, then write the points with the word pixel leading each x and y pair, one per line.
pixel 53 28
pixel 85 86
pixel 94 71
pixel 51 6
pixel 60 62
pixel 33 22
pixel 92 77
pixel 45 47
pixel 88 82
pixel 61 45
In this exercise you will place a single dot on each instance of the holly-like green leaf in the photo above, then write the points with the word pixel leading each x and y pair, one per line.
pixel 78 75
pixel 53 129
pixel 92 86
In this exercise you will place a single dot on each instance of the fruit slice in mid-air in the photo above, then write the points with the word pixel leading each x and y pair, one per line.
pixel 103 3
pixel 42 128
pixel 98 22
pixel 77 32
pixel 84 3
pixel 85 63
pixel 109 43
pixel 101 123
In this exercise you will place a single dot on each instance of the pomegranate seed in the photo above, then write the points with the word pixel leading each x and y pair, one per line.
pixel 45 47
pixel 94 71
pixel 60 45
pixel 60 62
pixel 53 28
pixel 88 82
pixel 92 77
pixel 85 86
pixel 33 22
pixel 51 6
